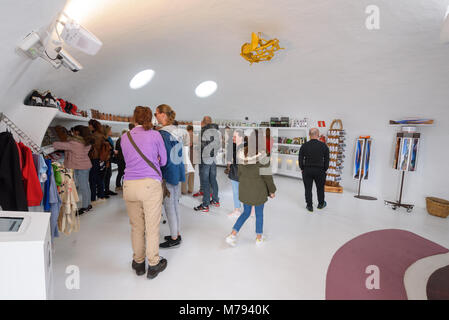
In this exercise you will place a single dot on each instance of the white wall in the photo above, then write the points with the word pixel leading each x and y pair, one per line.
pixel 19 75
pixel 332 67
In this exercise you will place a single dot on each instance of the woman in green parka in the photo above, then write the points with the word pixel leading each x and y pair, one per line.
pixel 255 185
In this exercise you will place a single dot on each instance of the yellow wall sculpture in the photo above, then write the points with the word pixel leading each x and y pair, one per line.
pixel 259 49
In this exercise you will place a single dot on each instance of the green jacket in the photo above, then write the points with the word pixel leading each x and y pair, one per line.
pixel 254 187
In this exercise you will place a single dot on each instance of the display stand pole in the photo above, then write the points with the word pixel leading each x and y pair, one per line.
pixel 402 187
pixel 362 167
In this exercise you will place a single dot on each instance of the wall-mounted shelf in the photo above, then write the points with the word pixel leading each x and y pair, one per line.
pixel 287 145
pixel 280 128
pixel 286 155
pixel 35 121
pixel 71 117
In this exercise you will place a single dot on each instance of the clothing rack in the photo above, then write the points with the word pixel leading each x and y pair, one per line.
pixel 23 136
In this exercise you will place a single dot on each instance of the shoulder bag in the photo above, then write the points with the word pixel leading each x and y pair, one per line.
pixel 164 187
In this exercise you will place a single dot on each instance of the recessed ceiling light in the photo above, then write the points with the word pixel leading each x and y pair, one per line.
pixel 206 88
pixel 141 79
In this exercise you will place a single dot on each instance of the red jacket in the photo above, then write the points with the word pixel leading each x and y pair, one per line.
pixel 31 182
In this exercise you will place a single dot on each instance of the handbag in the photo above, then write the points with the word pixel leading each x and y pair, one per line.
pixel 164 187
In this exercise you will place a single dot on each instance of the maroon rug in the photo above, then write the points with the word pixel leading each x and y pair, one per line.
pixel 392 251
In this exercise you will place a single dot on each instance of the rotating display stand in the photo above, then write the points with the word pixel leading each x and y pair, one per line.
pixel 361 164
pixel 405 156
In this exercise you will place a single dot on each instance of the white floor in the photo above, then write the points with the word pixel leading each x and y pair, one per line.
pixel 291 265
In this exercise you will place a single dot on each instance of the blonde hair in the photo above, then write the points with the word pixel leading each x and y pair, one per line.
pixel 165 108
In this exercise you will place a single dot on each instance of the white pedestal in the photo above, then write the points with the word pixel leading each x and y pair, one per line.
pixel 26 257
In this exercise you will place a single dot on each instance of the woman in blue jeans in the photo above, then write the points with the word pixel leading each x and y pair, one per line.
pixel 255 186
pixel 173 172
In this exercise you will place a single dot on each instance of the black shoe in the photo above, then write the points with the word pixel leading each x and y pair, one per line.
pixel 310 208
pixel 201 208
pixel 170 243
pixel 139 268
pixel 169 237
pixel 321 206
pixel 105 197
pixel 81 211
pixel 89 207
pixel 155 270
pixel 111 193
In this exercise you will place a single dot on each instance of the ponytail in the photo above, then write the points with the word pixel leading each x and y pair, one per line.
pixel 171 114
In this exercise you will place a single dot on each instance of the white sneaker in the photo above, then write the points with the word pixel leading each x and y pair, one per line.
pixel 235 214
pixel 260 242
pixel 231 240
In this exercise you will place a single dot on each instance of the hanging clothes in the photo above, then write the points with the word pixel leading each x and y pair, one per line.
pixel 46 199
pixel 12 191
pixel 30 179
pixel 55 206
pixel 68 221
pixel 41 168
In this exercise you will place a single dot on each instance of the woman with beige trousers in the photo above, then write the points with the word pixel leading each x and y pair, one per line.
pixel 144 153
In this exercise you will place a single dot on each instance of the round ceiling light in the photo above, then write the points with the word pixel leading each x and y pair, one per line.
pixel 206 88
pixel 141 79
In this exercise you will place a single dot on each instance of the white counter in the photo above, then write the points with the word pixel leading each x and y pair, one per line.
pixel 25 256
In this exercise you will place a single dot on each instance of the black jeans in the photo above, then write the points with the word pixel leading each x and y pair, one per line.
pixel 107 178
pixel 120 173
pixel 95 180
pixel 318 175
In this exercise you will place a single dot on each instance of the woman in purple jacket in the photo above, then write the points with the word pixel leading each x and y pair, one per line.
pixel 142 191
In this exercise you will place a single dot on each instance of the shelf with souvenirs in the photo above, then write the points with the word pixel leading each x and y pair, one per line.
pixel 336 142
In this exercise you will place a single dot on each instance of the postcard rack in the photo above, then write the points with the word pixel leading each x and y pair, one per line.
pixel 405 159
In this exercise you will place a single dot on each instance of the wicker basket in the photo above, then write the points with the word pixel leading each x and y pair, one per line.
pixel 437 207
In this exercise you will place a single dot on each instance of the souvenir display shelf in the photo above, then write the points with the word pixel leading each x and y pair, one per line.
pixel 361 171
pixel 405 159
pixel 287 163
pixel 335 142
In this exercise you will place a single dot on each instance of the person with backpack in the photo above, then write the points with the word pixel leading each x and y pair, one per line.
pixel 76 157
pixel 97 156
pixel 173 172
pixel 255 186
pixel 111 159
pixel 144 153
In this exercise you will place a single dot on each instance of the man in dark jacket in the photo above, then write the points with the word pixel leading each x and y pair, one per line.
pixel 210 142
pixel 314 162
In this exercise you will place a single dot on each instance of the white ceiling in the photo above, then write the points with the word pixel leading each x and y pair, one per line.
pixel 330 58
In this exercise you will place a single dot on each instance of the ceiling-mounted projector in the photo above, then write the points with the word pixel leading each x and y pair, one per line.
pixel 41 44
pixel 80 38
